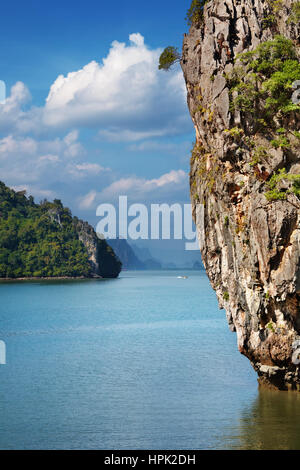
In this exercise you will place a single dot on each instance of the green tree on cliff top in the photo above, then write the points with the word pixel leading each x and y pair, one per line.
pixel 170 55
pixel 195 13
pixel 168 58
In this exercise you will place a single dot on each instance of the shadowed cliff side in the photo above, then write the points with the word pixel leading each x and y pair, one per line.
pixel 240 61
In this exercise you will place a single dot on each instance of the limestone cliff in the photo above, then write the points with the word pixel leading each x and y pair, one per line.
pixel 245 174
pixel 102 258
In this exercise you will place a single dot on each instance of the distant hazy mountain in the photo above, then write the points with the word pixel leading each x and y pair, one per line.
pixel 142 253
pixel 133 257
pixel 170 266
pixel 126 254
pixel 197 265
pixel 152 264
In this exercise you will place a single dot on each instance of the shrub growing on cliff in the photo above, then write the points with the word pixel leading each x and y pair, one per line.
pixel 275 192
pixel 195 13
pixel 169 57
pixel 226 296
pixel 295 13
pixel 263 86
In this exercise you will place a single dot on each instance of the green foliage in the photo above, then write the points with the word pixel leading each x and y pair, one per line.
pixel 269 56
pixel 262 86
pixel 194 14
pixel 280 142
pixel 296 134
pixel 40 240
pixel 267 295
pixel 169 57
pixel 270 326
pixel 279 86
pixel 270 18
pixel 226 296
pixel 235 132
pixel 275 5
pixel 275 193
pixel 268 21
pixel 295 13
pixel 259 154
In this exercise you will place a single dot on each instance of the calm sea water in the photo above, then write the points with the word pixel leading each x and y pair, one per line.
pixel 142 362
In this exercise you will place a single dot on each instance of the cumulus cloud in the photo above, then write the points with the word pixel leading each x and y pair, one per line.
pixel 40 193
pixel 141 186
pixel 125 96
pixel 158 146
pixel 13 117
pixel 85 170
pixel 138 189
pixel 122 98
pixel 87 201
pixel 42 163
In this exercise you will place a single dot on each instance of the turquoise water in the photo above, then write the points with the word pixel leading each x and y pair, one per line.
pixel 145 361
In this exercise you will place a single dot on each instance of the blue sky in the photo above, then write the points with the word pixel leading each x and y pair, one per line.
pixel 44 39
pixel 88 116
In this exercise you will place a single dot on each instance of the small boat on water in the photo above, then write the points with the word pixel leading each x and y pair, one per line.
pixel 182 277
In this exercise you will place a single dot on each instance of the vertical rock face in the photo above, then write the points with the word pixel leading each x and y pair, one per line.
pixel 102 259
pixel 250 243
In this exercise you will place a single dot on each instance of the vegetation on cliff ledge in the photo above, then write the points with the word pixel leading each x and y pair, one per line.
pixel 169 57
pixel 261 88
pixel 41 240
pixel 170 54
pixel 262 84
pixel 194 14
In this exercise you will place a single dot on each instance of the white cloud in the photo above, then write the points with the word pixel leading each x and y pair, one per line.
pixel 89 167
pixel 33 191
pixel 174 177
pixel 161 146
pixel 125 96
pixel 141 186
pixel 139 189
pixel 10 146
pixel 49 158
pixel 13 119
pixel 85 170
pixel 19 95
pixel 117 135
pixel 87 201
pixel 24 159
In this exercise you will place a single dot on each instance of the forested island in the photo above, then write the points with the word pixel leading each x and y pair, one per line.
pixel 45 241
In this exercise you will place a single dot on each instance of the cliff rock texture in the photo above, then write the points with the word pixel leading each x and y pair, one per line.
pixel 102 258
pixel 245 174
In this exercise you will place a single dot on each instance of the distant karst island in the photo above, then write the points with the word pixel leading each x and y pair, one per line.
pixel 45 241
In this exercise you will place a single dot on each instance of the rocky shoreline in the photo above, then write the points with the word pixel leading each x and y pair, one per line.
pixel 61 278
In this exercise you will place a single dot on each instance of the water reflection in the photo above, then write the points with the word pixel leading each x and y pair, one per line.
pixel 271 422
